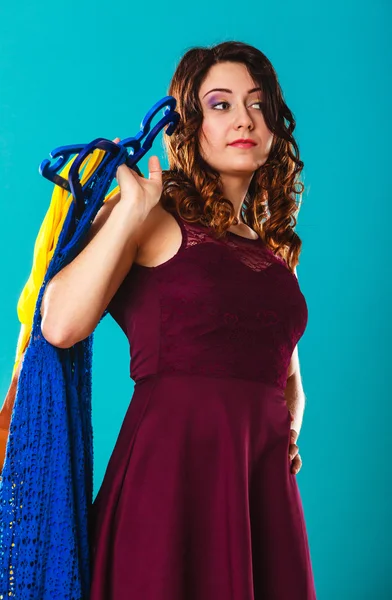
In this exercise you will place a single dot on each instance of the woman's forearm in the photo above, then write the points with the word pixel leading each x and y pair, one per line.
pixel 295 398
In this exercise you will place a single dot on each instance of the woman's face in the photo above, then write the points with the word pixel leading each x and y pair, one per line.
pixel 229 115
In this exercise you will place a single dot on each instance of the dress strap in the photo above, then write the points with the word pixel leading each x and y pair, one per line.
pixel 183 227
pixel 192 233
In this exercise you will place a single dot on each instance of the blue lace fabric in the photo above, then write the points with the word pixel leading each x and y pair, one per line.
pixel 47 479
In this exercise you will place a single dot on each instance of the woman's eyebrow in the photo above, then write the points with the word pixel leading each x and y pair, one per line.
pixel 230 91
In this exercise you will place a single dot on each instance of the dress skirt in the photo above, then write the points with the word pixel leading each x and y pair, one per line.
pixel 198 501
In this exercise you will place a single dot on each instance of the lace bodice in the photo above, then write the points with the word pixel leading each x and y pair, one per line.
pixel 244 248
pixel 226 307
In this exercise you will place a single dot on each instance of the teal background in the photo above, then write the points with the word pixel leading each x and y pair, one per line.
pixel 75 71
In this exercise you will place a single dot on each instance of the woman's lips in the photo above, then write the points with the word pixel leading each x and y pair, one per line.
pixel 242 145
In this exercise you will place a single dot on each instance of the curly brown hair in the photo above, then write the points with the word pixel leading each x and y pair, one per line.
pixel 192 187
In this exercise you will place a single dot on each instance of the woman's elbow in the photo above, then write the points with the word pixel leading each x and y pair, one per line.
pixel 54 337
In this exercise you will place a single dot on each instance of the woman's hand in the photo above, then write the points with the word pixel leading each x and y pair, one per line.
pixel 294 457
pixel 140 193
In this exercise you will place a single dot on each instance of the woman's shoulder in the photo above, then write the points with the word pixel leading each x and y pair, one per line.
pixel 159 236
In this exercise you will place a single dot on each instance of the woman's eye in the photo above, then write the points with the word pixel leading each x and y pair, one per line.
pixel 224 102
pixel 219 104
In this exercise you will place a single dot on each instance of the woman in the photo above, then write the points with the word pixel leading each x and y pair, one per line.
pixel 197 265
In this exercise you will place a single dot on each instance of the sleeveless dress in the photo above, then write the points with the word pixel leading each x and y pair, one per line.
pixel 198 501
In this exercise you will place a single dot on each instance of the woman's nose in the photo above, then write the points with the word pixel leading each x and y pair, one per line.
pixel 242 118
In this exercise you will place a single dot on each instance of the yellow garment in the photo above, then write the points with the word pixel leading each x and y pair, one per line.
pixel 45 246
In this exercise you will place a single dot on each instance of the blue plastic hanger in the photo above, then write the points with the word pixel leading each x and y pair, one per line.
pixel 115 155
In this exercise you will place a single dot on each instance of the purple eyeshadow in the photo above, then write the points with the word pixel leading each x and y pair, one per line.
pixel 212 100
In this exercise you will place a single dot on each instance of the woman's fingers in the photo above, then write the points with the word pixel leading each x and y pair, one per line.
pixel 296 464
pixel 155 169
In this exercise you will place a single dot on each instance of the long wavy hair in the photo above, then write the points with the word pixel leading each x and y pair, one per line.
pixel 193 188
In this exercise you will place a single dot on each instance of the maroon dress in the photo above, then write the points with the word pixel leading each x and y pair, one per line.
pixel 198 501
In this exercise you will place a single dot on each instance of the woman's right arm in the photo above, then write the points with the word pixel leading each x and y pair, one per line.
pixel 77 296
